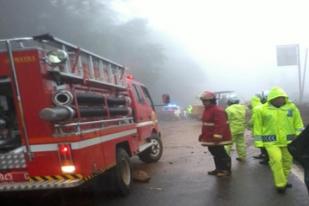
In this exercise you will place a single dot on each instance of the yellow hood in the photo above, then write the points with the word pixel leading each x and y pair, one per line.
pixel 276 92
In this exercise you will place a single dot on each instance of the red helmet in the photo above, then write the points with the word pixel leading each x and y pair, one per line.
pixel 207 95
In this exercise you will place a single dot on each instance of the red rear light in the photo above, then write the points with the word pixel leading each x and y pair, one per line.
pixel 130 76
pixel 64 149
pixel 65 156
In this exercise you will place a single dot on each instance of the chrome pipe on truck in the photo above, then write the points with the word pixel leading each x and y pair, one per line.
pixel 121 100
pixel 64 113
pixel 116 100
pixel 94 112
pixel 63 97
pixel 86 98
pixel 56 114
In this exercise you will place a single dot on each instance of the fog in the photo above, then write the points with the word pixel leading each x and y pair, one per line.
pixel 176 47
pixel 234 42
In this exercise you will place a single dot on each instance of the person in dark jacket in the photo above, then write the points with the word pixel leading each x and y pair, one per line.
pixel 215 134
pixel 299 149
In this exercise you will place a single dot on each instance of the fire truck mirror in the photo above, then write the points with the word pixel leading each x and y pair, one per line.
pixel 166 98
pixel 56 57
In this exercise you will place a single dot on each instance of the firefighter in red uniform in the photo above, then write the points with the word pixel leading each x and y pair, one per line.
pixel 215 134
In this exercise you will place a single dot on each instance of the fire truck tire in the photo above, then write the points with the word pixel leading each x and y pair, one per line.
pixel 153 153
pixel 121 174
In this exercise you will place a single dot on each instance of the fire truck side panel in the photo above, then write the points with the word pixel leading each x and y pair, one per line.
pixel 89 160
pixel 35 91
pixel 101 156
pixel 93 153
pixel 4 69
pixel 44 164
pixel 97 158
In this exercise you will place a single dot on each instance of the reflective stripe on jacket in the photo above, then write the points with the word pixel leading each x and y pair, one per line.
pixel 255 103
pixel 215 129
pixel 278 126
pixel 257 139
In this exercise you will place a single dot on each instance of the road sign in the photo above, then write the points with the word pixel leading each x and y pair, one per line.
pixel 287 55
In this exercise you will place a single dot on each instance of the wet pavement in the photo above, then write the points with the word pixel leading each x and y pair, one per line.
pixel 180 178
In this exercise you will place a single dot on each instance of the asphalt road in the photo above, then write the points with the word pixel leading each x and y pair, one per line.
pixel 180 178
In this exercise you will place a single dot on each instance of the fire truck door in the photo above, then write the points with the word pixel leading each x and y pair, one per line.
pixel 143 113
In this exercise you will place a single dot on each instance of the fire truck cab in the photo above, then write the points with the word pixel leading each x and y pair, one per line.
pixel 68 115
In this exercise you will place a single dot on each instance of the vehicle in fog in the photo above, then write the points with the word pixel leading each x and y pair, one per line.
pixel 170 112
pixel 222 98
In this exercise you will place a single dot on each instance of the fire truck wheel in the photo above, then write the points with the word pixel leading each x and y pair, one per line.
pixel 122 173
pixel 153 153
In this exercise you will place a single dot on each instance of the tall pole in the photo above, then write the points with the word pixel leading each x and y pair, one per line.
pixel 304 74
pixel 299 75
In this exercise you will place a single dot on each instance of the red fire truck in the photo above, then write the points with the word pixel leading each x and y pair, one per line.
pixel 68 115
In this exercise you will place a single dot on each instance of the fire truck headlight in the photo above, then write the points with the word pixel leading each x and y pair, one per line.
pixel 68 169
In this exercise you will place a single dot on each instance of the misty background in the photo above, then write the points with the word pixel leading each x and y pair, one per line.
pixel 175 47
